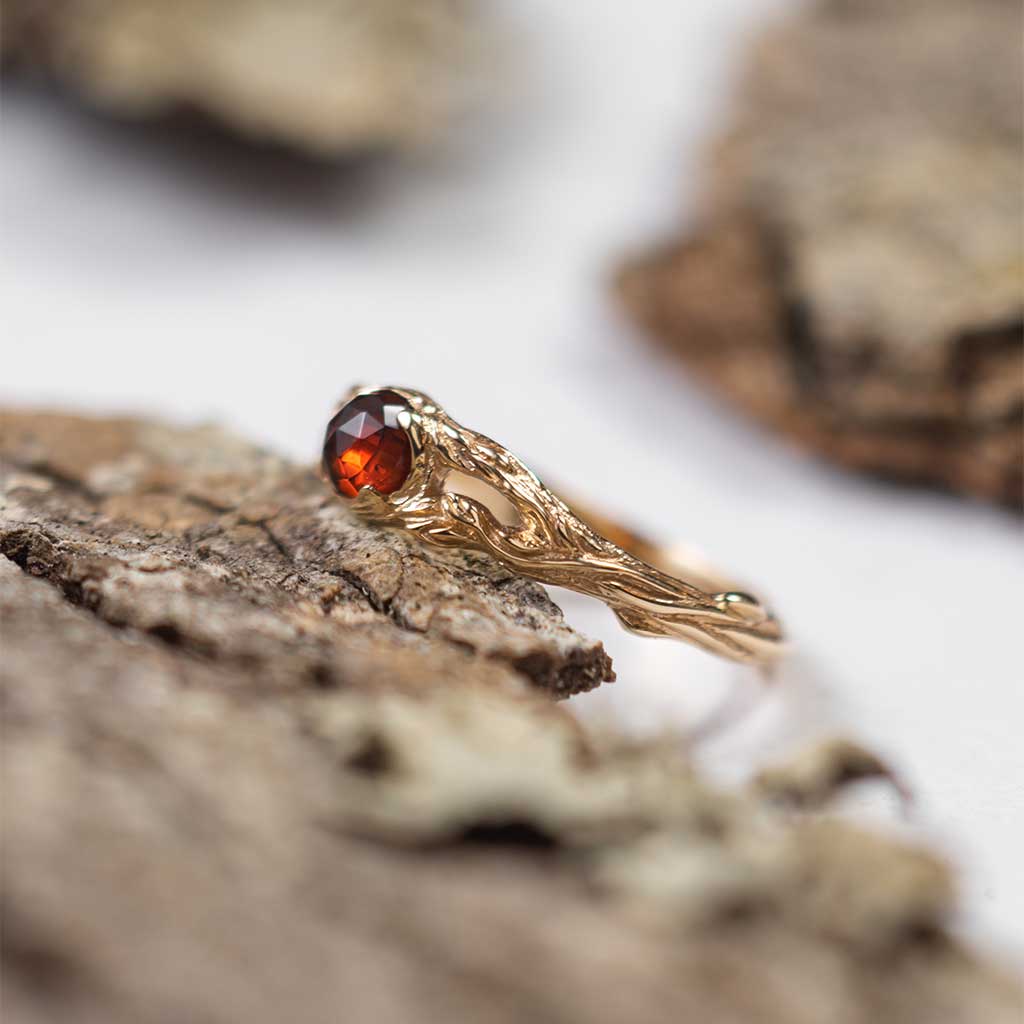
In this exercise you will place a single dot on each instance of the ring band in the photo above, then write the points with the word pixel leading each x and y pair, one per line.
pixel 403 461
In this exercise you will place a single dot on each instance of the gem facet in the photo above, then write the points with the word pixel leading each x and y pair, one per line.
pixel 366 447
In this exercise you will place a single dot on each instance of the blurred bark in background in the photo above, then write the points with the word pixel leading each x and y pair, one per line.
pixel 329 77
pixel 262 762
pixel 856 276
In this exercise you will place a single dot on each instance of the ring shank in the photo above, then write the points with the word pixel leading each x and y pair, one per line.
pixel 677 560
pixel 467 490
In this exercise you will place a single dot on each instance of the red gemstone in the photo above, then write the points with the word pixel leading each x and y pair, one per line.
pixel 366 447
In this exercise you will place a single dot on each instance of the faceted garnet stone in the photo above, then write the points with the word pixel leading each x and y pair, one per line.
pixel 365 446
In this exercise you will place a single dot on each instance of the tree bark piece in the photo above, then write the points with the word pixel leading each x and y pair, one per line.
pixel 264 763
pixel 324 76
pixel 236 556
pixel 856 278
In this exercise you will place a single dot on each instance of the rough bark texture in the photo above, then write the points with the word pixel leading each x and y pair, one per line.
pixel 857 276
pixel 263 763
pixel 325 76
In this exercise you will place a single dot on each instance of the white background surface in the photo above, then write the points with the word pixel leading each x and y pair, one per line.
pixel 153 272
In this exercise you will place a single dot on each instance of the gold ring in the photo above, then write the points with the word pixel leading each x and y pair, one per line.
pixel 403 461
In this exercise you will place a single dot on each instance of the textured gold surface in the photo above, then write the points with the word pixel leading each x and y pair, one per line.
pixel 545 540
